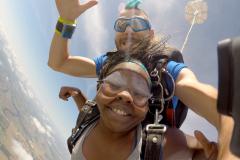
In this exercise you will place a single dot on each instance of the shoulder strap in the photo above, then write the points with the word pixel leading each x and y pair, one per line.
pixel 152 138
pixel 181 110
pixel 87 115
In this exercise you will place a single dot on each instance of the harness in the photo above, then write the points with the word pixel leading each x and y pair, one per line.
pixel 160 110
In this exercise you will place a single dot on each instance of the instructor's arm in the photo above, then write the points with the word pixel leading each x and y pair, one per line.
pixel 59 57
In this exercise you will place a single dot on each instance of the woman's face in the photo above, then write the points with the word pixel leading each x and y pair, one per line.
pixel 123 100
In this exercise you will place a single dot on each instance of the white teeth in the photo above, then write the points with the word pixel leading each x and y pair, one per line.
pixel 119 112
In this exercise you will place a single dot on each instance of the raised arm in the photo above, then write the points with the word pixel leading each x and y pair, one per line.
pixel 75 93
pixel 59 58
pixel 200 97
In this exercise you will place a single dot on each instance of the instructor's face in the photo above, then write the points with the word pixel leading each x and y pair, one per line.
pixel 129 39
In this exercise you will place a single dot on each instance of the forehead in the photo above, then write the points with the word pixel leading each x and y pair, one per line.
pixel 128 13
pixel 128 76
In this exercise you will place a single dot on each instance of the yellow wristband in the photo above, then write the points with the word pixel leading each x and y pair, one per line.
pixel 56 31
pixel 64 21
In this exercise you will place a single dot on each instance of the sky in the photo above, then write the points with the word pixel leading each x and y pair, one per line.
pixel 29 26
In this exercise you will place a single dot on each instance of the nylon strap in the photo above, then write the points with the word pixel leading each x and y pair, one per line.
pixel 87 116
pixel 154 140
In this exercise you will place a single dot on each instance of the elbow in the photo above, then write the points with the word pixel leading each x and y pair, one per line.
pixel 53 66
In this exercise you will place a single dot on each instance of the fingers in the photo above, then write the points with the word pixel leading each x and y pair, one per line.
pixel 210 148
pixel 202 139
pixel 74 93
pixel 214 151
pixel 192 142
pixel 88 5
pixel 64 96
pixel 72 9
pixel 66 92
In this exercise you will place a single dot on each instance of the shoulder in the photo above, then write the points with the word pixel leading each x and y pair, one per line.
pixel 100 58
pixel 186 74
pixel 99 61
pixel 174 68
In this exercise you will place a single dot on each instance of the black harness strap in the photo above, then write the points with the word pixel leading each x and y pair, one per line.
pixel 155 132
pixel 87 115
pixel 154 140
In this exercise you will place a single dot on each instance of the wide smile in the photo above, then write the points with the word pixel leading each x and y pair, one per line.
pixel 119 112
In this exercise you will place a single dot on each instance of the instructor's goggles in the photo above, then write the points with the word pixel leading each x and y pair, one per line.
pixel 135 84
pixel 136 23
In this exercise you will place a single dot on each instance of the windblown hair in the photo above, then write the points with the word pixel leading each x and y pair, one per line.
pixel 113 60
pixel 147 51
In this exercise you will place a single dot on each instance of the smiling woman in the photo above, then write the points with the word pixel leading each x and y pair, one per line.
pixel 115 121
pixel 123 92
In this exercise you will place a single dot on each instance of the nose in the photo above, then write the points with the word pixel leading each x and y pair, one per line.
pixel 129 29
pixel 125 96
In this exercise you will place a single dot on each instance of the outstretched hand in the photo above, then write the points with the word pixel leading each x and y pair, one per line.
pixel 72 9
pixel 210 148
pixel 66 92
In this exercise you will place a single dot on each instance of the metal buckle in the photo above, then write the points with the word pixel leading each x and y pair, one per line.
pixel 88 105
pixel 156 127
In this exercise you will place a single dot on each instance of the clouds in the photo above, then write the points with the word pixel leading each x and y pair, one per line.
pixel 15 64
pixel 42 129
pixel 165 16
pixel 160 6
pixel 19 151
pixel 95 31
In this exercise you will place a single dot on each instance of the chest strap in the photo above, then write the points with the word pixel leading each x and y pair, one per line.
pixel 154 140
pixel 87 115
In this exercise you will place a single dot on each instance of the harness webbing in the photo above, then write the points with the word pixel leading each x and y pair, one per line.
pixel 153 131
pixel 87 115
pixel 154 140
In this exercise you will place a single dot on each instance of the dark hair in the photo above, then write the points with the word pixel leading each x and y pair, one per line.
pixel 114 58
pixel 150 51
pixel 147 52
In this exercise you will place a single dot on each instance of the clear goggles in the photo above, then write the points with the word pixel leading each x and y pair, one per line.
pixel 134 83
pixel 136 23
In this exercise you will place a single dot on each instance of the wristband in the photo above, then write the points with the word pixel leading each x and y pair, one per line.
pixel 65 28
pixel 64 21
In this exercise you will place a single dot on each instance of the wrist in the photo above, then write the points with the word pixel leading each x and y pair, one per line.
pixel 65 27
pixel 66 21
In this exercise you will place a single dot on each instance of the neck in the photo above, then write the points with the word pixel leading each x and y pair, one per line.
pixel 108 135
pixel 102 143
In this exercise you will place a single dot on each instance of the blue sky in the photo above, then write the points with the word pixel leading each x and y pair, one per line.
pixel 29 27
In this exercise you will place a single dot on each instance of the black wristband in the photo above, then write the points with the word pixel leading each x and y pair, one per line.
pixel 59 26
pixel 66 30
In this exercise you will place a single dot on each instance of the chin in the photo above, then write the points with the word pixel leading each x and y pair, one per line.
pixel 118 127
pixel 122 129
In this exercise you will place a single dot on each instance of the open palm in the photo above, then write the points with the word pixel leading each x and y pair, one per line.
pixel 72 9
